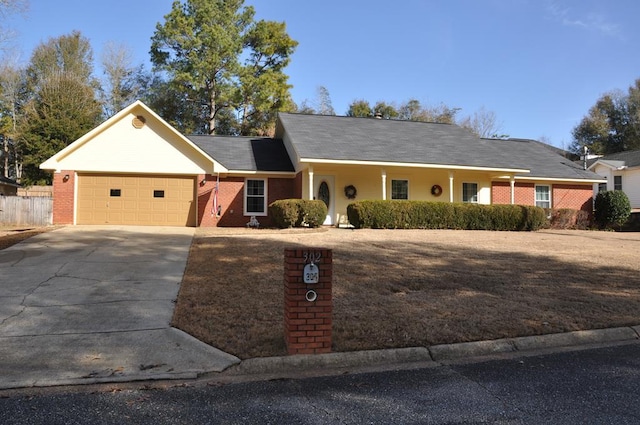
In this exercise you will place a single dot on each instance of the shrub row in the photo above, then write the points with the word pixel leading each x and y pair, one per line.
pixel 443 215
pixel 297 213
pixel 566 218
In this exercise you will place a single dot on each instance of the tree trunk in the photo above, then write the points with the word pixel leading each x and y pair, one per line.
pixel 212 112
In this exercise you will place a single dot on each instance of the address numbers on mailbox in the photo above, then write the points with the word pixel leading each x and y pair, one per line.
pixel 311 273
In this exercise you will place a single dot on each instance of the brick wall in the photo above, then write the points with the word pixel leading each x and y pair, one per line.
pixel 573 196
pixel 500 193
pixel 307 323
pixel 231 200
pixel 63 199
pixel 524 194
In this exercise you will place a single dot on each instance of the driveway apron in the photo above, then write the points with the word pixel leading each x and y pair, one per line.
pixel 86 304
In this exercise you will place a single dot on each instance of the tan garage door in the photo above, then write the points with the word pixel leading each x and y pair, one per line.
pixel 136 199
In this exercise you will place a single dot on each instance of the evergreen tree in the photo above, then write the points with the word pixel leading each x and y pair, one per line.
pixel 200 46
pixel 63 104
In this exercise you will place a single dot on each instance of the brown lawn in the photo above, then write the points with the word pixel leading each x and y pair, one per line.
pixel 11 235
pixel 401 288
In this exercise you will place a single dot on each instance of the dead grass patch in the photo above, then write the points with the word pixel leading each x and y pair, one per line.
pixel 11 235
pixel 401 288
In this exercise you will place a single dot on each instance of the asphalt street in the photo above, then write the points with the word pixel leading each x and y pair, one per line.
pixel 587 386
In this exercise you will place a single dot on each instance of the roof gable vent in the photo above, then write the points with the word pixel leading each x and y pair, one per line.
pixel 138 122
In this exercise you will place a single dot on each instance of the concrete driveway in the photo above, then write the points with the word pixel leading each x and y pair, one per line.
pixel 88 304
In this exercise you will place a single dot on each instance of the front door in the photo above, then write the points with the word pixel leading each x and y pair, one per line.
pixel 324 191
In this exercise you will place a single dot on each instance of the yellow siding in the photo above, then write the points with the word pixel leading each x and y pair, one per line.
pixel 122 148
pixel 368 182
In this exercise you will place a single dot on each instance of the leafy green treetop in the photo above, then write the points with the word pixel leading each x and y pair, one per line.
pixel 200 46
pixel 612 124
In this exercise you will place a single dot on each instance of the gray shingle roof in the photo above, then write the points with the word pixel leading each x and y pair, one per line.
pixel 541 160
pixel 246 153
pixel 629 158
pixel 375 140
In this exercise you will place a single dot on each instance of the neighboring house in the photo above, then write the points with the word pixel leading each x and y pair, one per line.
pixel 8 187
pixel 137 169
pixel 622 172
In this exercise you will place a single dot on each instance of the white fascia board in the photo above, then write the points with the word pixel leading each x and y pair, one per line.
pixel 613 165
pixel 413 165
pixel 559 179
pixel 265 173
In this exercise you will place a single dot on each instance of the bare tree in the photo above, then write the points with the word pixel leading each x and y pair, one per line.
pixel 123 83
pixel 11 98
pixel 7 8
pixel 483 123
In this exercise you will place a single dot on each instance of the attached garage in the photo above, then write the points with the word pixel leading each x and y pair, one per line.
pixel 133 169
pixel 136 199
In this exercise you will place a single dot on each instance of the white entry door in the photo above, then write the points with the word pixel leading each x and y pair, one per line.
pixel 324 190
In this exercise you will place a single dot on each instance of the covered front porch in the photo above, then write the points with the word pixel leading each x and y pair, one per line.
pixel 341 184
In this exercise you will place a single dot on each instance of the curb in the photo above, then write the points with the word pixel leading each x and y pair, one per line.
pixel 270 365
pixel 434 354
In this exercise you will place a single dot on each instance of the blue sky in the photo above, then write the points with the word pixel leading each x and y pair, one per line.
pixel 538 64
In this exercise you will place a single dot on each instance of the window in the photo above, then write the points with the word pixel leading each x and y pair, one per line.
pixel 158 193
pixel 255 197
pixel 543 196
pixel 470 192
pixel 602 187
pixel 617 182
pixel 115 192
pixel 399 189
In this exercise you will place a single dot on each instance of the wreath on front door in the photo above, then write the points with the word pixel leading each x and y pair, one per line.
pixel 350 191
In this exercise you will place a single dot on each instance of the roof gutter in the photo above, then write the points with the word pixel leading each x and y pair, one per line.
pixel 413 165
pixel 562 179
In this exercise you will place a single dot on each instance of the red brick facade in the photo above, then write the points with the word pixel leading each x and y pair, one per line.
pixel 231 200
pixel 501 193
pixel 307 323
pixel 63 197
pixel 231 197
pixel 573 196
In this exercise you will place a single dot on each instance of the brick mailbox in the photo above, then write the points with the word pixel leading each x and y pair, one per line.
pixel 308 305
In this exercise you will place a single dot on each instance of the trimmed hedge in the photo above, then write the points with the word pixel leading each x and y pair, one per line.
pixel 443 215
pixel 612 208
pixel 297 213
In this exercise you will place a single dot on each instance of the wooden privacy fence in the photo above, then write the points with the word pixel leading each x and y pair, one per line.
pixel 23 210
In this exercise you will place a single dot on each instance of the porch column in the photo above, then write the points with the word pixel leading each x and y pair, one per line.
pixel 384 185
pixel 310 183
pixel 450 187
pixel 512 183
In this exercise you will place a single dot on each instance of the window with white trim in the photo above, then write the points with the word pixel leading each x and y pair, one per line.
pixel 602 187
pixel 543 196
pixel 617 182
pixel 255 197
pixel 470 192
pixel 399 189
